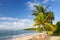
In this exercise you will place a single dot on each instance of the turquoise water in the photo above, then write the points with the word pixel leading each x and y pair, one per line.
pixel 8 34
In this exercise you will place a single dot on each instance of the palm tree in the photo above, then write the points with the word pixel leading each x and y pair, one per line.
pixel 50 17
pixel 42 17
pixel 41 20
pixel 39 9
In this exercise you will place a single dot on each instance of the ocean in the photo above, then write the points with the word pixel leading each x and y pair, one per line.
pixel 8 34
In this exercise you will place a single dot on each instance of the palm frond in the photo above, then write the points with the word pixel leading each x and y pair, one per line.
pixel 51 27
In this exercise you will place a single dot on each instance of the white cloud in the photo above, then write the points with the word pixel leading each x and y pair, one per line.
pixel 8 18
pixel 45 1
pixel 36 2
pixel 31 5
pixel 15 23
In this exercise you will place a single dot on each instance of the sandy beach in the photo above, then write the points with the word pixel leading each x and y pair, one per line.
pixel 25 37
pixel 33 36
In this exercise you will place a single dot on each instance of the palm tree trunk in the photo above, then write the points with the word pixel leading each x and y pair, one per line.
pixel 45 33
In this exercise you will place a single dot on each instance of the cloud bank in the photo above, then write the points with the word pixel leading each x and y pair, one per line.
pixel 15 23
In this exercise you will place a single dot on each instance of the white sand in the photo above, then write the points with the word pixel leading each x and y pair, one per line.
pixel 33 35
pixel 54 37
pixel 25 37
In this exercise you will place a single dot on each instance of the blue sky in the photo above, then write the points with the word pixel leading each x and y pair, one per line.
pixel 16 14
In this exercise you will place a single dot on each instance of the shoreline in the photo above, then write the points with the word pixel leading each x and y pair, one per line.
pixel 28 37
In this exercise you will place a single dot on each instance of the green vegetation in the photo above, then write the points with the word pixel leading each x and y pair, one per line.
pixel 30 29
pixel 33 29
pixel 43 18
pixel 57 31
